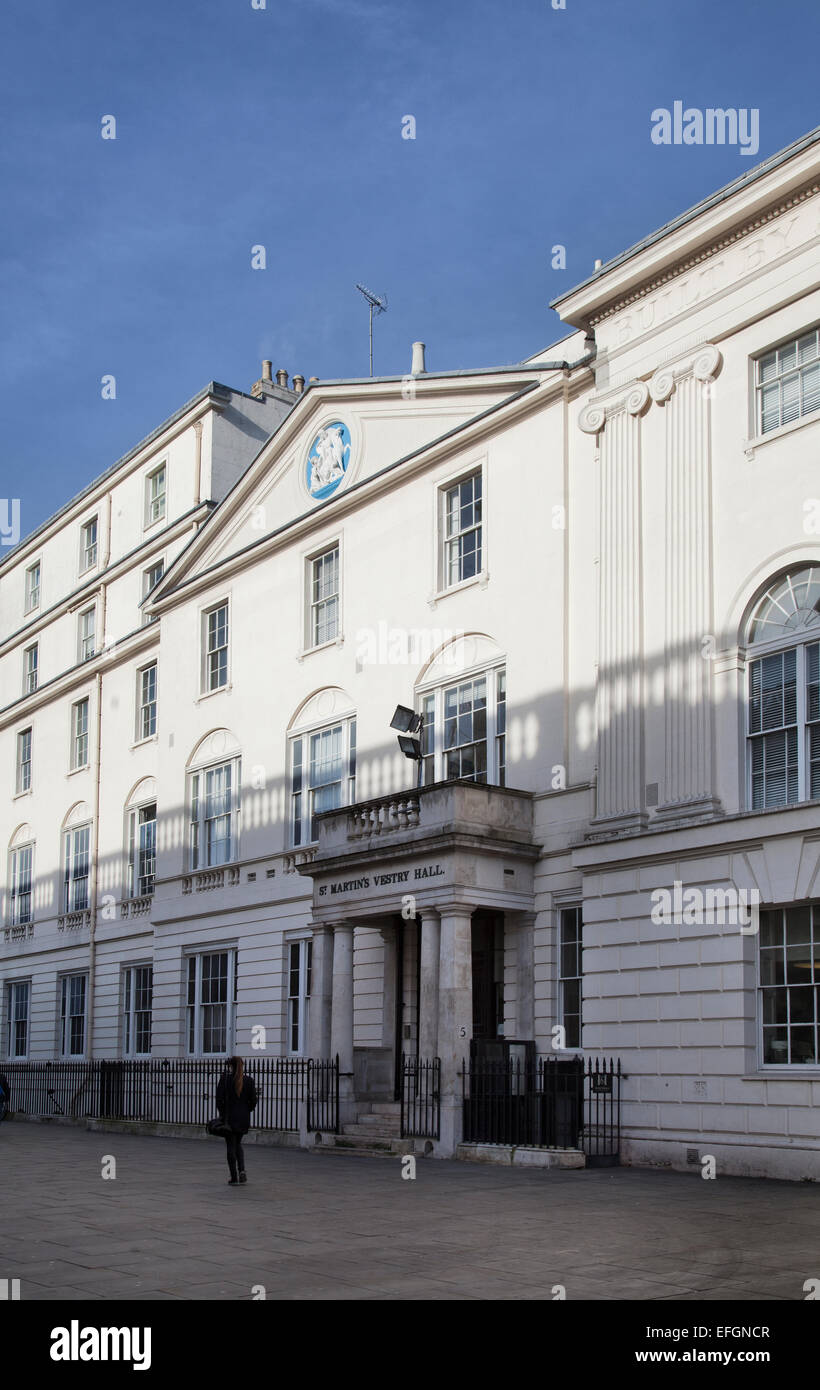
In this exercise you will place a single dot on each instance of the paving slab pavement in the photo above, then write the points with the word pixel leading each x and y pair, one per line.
pixel 305 1227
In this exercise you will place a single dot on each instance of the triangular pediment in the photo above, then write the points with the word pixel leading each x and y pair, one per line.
pixel 336 439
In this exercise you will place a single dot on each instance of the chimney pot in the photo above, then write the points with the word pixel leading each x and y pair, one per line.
pixel 282 378
pixel 314 378
pixel 266 370
pixel 418 366
pixel 299 384
pixel 598 264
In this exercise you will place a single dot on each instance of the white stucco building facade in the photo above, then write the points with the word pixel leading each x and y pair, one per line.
pixel 596 576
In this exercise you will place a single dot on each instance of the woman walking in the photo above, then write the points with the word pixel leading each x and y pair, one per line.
pixel 235 1099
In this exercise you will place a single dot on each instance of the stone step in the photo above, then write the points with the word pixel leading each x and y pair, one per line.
pixel 370 1132
pixel 386 1107
pixel 391 1122
pixel 366 1144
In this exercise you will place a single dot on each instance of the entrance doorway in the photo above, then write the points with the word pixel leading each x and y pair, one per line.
pixel 488 973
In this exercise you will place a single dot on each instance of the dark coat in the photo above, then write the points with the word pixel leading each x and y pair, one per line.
pixel 239 1107
pixel 5 1094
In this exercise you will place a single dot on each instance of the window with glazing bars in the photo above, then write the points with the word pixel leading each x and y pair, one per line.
pixel 462 505
pixel 20 876
pixel 790 984
pixel 75 876
pixel 138 986
pixel 787 381
pixel 324 597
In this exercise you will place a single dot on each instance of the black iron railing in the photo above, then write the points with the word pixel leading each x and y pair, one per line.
pixel 323 1096
pixel 547 1102
pixel 171 1090
pixel 420 1097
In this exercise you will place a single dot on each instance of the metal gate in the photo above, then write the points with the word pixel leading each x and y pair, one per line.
pixel 323 1095
pixel 545 1102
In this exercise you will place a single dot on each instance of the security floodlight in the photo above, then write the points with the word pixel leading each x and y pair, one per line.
pixel 406 720
pixel 410 747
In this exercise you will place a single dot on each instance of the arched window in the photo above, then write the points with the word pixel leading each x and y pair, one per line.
pixel 213 800
pixel 463 698
pixel 783 733
pixel 76 857
pixel 19 907
pixel 141 839
pixel 322 738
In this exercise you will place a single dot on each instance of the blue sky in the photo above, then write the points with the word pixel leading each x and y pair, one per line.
pixel 282 127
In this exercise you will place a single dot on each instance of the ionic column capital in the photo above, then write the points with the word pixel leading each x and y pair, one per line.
pixel 703 364
pixel 633 399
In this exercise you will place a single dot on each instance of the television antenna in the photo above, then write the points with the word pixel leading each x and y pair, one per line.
pixel 377 304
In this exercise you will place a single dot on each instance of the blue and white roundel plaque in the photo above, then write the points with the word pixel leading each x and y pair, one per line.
pixel 327 460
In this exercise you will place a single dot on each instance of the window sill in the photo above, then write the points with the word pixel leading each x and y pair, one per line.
pixel 481 579
pixel 72 771
pixel 149 525
pixel 321 647
pixel 751 445
pixel 209 694
pixel 17 795
pixel 785 1071
pixel 141 742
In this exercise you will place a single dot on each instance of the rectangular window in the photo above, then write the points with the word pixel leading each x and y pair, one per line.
pixel 24 761
pixel 813 719
pixel 33 587
pixel 147 701
pixel 323 776
pixel 20 871
pixel 461 530
pixel 787 382
pixel 215 654
pixel 790 984
pixel 324 597
pixel 72 1016
pixel 142 850
pixel 88 545
pixel 31 667
pixel 150 579
pixel 18 997
pixel 465 730
pixel 213 815
pixel 79 734
pixel 211 1001
pixel 300 959
pixel 138 988
pixel 155 496
pixel 773 730
pixel 87 634
pixel 570 974
pixel 75 874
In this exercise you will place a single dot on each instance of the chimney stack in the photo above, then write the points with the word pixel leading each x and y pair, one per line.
pixel 418 366
pixel 282 378
pixel 298 384
pixel 266 370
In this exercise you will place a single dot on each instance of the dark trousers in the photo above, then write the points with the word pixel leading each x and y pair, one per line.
pixel 236 1156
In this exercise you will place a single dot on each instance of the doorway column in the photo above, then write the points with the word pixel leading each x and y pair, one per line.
pixel 321 991
pixel 455 1015
pixel 430 927
pixel 341 1023
pixel 524 923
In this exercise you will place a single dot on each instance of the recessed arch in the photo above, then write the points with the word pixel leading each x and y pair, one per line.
pixel 466 651
pixel 753 587
pixel 787 608
pixel 23 835
pixel 219 745
pixel 324 706
pixel 143 790
pixel 79 814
